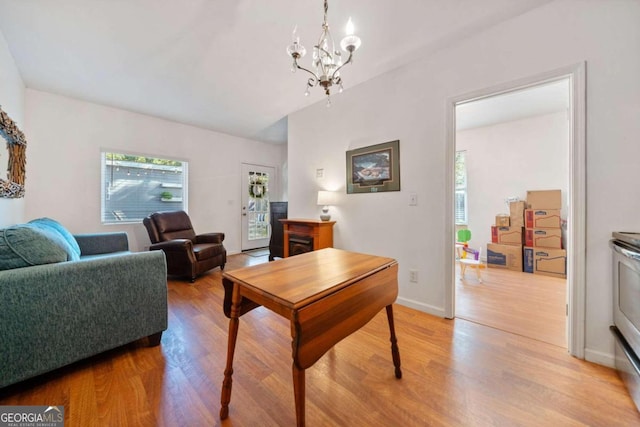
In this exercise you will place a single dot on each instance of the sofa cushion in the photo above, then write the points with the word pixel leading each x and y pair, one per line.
pixel 24 245
pixel 67 241
pixel 174 225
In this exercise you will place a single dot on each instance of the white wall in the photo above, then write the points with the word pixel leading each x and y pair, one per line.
pixel 506 160
pixel 66 137
pixel 409 104
pixel 12 102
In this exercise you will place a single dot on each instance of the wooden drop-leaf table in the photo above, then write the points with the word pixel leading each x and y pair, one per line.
pixel 326 295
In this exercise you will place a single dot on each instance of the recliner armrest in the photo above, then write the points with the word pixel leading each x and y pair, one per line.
pixel 175 245
pixel 210 238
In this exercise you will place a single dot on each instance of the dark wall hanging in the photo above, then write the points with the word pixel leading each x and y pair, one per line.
pixel 374 169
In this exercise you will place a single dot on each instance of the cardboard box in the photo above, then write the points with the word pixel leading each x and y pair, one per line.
pixel 545 199
pixel 542 218
pixel 543 238
pixel 503 220
pixel 516 214
pixel 506 235
pixel 548 262
pixel 504 256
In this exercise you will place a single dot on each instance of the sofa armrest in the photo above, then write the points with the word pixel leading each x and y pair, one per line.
pixel 102 243
pixel 175 245
pixel 210 238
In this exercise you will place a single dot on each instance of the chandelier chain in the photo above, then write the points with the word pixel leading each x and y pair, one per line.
pixel 326 10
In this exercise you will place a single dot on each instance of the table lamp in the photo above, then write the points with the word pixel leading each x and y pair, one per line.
pixel 326 198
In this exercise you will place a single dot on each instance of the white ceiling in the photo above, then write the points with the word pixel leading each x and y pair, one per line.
pixel 533 101
pixel 221 64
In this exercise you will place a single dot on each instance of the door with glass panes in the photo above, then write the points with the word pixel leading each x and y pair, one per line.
pixel 256 183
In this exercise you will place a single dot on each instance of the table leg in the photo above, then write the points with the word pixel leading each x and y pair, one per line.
pixel 231 346
pixel 298 391
pixel 395 352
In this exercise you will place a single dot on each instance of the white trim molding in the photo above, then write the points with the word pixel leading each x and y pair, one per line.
pixel 576 232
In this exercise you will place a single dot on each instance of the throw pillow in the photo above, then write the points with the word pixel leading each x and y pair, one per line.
pixel 23 246
pixel 68 242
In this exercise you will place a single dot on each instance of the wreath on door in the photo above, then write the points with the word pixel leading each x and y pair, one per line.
pixel 257 186
pixel 13 187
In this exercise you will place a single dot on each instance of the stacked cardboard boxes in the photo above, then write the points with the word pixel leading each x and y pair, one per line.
pixel 505 249
pixel 543 253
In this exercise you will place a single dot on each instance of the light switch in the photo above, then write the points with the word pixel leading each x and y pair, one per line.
pixel 413 199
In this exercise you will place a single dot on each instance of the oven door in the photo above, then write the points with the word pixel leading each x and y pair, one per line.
pixel 627 365
pixel 626 292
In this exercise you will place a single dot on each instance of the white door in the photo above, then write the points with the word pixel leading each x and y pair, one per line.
pixel 256 183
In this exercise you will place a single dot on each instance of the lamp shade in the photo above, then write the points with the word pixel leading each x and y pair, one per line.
pixel 326 198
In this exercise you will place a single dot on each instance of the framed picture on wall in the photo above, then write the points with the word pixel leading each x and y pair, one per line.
pixel 16 168
pixel 374 169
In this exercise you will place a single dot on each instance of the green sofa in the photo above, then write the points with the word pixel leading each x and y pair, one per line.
pixel 57 313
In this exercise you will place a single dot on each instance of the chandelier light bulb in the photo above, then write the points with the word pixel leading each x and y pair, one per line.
pixel 350 28
pixel 295 49
pixel 296 38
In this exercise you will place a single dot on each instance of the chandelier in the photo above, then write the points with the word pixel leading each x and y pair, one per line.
pixel 327 61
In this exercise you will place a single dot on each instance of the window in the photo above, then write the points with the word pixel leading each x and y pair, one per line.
pixel 461 188
pixel 135 186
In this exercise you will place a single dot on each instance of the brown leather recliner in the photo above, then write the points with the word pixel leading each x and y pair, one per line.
pixel 188 254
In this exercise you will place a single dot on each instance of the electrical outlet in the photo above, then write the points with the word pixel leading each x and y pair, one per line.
pixel 413 276
pixel 319 173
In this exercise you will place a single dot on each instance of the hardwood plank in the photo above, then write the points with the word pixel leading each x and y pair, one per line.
pixel 455 373
pixel 526 304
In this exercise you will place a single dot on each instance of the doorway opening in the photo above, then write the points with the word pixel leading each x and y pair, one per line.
pixel 506 145
pixel 570 300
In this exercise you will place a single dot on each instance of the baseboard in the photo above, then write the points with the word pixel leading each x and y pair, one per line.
pixel 429 309
pixel 599 357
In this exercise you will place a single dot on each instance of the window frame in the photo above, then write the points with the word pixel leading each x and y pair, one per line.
pixel 104 196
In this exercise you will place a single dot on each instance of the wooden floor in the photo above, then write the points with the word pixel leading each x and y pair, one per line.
pixel 526 304
pixel 455 373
